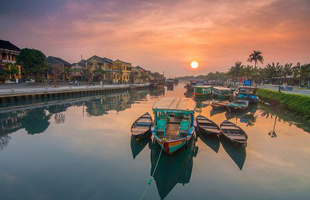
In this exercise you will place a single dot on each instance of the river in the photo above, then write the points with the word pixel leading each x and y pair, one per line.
pixel 83 149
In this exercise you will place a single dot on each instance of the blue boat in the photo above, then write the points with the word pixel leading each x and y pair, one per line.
pixel 174 122
pixel 247 93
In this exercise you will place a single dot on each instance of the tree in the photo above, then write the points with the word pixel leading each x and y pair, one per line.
pixel 99 73
pixel 270 70
pixel 235 71
pixel 32 61
pixel 287 71
pixel 11 69
pixel 57 70
pixel 256 56
pixel 67 72
pixel 87 74
pixel 144 77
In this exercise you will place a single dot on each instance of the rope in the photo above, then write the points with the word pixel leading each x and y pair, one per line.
pixel 152 176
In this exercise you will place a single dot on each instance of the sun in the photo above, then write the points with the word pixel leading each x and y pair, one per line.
pixel 194 64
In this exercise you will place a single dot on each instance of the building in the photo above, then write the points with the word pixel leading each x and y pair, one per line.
pixel 138 75
pixel 77 70
pixel 8 53
pixel 51 60
pixel 124 71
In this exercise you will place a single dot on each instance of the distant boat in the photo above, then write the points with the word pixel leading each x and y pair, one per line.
pixel 238 105
pixel 207 126
pixel 217 105
pixel 202 91
pixel 221 92
pixel 142 126
pixel 234 134
pixel 174 122
pixel 247 93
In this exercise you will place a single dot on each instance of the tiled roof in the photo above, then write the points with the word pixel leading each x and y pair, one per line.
pixel 8 45
pixel 54 60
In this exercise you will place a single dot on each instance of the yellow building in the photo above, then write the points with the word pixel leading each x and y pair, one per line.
pixel 122 71
pixel 8 53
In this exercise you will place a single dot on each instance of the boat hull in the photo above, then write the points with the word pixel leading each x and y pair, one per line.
pixel 142 135
pixel 207 133
pixel 252 98
pixel 172 146
pixel 235 143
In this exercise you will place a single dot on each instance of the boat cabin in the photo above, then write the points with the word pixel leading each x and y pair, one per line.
pixel 247 89
pixel 174 117
pixel 221 92
pixel 204 90
pixel 248 93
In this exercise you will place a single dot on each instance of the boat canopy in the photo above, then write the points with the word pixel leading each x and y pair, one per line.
pixel 221 88
pixel 175 104
pixel 203 86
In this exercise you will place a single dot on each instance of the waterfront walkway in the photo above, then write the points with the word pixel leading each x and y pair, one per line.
pixel 294 91
pixel 22 89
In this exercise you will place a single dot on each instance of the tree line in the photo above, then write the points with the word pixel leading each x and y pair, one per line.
pixel 273 72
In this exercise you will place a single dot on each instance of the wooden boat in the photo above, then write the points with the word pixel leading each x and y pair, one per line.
pixel 238 105
pixel 202 91
pixel 247 93
pixel 221 92
pixel 142 126
pixel 207 126
pixel 234 134
pixel 217 105
pixel 174 122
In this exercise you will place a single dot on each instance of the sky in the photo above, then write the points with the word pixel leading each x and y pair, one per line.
pixel 162 35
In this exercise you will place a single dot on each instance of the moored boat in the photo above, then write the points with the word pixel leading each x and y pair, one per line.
pixel 202 91
pixel 238 105
pixel 234 134
pixel 247 93
pixel 142 126
pixel 217 105
pixel 174 122
pixel 207 126
pixel 221 92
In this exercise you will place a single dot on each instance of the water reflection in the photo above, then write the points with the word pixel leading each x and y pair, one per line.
pixel 267 111
pixel 38 119
pixel 173 169
pixel 247 116
pixel 137 145
pixel 212 142
pixel 238 155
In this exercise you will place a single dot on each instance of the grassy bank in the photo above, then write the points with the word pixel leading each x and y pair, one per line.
pixel 299 104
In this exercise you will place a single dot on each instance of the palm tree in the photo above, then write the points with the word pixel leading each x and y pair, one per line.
pixel 256 56
pixel 236 71
pixel 287 70
pixel 248 72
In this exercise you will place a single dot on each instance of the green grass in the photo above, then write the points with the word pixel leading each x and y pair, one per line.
pixel 299 104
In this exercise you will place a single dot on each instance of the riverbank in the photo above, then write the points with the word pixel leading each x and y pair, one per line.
pixel 298 104
pixel 10 97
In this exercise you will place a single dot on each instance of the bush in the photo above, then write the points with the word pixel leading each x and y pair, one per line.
pixel 299 104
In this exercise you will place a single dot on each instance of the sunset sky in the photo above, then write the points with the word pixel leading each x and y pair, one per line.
pixel 162 35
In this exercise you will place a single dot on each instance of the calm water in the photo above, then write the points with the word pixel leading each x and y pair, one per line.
pixel 84 150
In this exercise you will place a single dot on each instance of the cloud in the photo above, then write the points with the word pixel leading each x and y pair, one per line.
pixel 163 35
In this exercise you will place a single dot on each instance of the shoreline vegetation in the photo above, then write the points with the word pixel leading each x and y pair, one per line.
pixel 297 103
